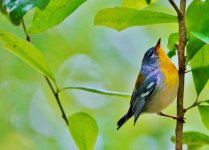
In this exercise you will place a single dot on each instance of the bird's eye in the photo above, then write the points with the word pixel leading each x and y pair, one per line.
pixel 150 54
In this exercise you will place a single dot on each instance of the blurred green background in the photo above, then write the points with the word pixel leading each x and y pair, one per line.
pixel 80 53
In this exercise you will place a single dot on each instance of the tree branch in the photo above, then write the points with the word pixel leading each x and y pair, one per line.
pixel 175 7
pixel 54 90
pixel 181 64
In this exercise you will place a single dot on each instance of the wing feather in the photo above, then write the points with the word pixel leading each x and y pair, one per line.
pixel 141 95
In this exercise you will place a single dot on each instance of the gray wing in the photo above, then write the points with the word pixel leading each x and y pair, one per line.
pixel 141 95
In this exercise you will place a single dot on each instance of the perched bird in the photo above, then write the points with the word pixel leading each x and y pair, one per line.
pixel 156 86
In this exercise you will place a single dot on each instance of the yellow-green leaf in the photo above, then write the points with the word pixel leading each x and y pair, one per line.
pixel 53 14
pixel 197 20
pixel 26 51
pixel 196 42
pixel 193 46
pixel 84 130
pixel 120 18
pixel 193 138
pixel 173 40
pixel 204 111
pixel 137 4
pixel 202 37
pixel 200 68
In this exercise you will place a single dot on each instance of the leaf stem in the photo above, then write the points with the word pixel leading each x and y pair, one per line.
pixel 187 71
pixel 196 103
pixel 24 29
pixel 97 91
pixel 55 90
pixel 181 63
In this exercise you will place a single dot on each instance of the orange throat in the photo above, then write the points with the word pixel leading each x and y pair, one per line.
pixel 168 68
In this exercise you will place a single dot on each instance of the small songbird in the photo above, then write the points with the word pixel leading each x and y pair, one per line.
pixel 156 86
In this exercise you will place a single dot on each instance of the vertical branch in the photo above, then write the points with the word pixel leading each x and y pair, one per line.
pixel 54 90
pixel 181 63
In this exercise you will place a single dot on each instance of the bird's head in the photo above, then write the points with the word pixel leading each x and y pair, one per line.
pixel 151 57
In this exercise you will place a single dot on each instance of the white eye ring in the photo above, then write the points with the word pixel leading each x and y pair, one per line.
pixel 151 55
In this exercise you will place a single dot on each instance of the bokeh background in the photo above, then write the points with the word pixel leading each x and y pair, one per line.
pixel 80 53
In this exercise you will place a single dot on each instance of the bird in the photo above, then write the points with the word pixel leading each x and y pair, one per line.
pixel 156 85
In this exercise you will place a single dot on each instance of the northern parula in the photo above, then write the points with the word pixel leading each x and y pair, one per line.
pixel 156 86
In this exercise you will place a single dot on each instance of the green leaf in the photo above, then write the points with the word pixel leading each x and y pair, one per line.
pixel 194 147
pixel 120 18
pixel 148 1
pixel 200 68
pixel 194 138
pixel 202 37
pixel 200 77
pixel 196 42
pixel 84 130
pixel 173 40
pixel 53 14
pixel 193 46
pixel 16 9
pixel 196 23
pixel 199 21
pixel 137 4
pixel 26 51
pixel 204 111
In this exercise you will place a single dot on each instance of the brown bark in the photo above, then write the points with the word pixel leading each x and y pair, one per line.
pixel 181 63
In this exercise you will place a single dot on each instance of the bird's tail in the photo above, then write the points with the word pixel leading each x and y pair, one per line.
pixel 125 118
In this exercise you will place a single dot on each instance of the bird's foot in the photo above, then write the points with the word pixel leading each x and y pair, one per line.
pixel 173 117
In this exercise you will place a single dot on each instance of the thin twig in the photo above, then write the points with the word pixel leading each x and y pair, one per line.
pixel 56 95
pixel 97 91
pixel 205 101
pixel 175 7
pixel 187 71
pixel 172 117
pixel 176 46
pixel 54 90
pixel 196 103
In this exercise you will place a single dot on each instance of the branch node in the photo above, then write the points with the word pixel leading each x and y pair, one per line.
pixel 180 14
pixel 176 46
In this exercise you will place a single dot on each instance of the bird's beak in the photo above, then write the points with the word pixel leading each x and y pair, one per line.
pixel 158 45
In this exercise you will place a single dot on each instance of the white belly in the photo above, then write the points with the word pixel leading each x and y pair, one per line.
pixel 161 98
